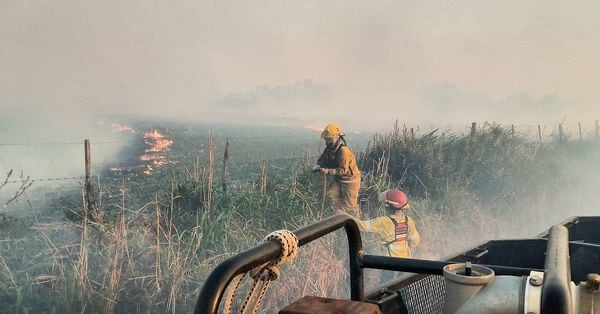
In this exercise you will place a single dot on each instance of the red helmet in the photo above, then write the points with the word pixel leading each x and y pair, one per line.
pixel 396 198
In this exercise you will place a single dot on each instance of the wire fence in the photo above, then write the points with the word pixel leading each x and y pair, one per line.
pixel 46 179
pixel 58 143
pixel 125 142
pixel 242 164
pixel 537 131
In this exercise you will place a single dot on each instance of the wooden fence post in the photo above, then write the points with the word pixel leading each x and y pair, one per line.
pixel 560 132
pixel 211 172
pixel 224 174
pixel 90 205
pixel 88 171
pixel 473 129
pixel 540 133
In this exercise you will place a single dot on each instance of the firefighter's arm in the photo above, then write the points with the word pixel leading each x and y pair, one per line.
pixel 344 161
pixel 373 225
pixel 321 160
pixel 413 235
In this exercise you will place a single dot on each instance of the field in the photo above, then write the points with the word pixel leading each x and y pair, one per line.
pixel 167 219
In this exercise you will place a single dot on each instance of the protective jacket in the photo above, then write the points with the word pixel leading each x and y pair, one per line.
pixel 340 163
pixel 396 239
pixel 343 192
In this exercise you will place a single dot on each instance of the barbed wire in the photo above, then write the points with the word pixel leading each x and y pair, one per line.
pixel 47 179
pixel 265 136
pixel 125 142
pixel 60 143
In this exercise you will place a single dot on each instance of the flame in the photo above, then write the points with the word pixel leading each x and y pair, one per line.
pixel 157 141
pixel 156 153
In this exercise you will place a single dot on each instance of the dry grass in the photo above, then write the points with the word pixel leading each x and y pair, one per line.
pixel 155 257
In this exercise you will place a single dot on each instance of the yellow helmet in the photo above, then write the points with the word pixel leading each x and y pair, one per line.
pixel 331 130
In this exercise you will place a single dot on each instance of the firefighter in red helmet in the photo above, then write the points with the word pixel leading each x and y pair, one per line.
pixel 396 230
pixel 337 160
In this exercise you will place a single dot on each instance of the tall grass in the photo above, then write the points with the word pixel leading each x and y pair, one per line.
pixel 490 183
pixel 153 255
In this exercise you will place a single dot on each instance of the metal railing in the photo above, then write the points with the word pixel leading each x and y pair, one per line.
pixel 216 283
pixel 214 288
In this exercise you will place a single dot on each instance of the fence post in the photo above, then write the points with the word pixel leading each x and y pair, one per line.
pixel 88 171
pixel 90 205
pixel 224 174
pixel 540 133
pixel 473 129
pixel 560 133
pixel 211 172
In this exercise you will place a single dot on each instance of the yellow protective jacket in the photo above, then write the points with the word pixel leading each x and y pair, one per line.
pixel 340 163
pixel 385 228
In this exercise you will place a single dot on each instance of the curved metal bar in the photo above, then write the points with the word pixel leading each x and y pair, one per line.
pixel 556 295
pixel 216 283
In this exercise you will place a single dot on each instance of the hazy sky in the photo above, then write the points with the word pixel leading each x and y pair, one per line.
pixel 361 63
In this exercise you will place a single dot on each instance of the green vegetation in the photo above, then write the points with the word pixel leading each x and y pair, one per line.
pixel 162 234
pixel 484 185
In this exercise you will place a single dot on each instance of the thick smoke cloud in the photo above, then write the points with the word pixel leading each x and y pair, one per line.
pixel 65 65
pixel 299 63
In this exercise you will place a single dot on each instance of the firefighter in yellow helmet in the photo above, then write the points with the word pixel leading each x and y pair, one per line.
pixel 338 161
pixel 396 230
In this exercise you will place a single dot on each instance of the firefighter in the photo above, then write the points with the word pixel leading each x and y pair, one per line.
pixel 338 161
pixel 396 230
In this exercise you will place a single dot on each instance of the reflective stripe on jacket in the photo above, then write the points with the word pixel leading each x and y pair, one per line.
pixel 385 228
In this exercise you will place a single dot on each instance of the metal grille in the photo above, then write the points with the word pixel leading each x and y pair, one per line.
pixel 425 296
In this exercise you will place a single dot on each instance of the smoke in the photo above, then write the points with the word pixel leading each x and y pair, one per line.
pixel 69 70
pixel 49 148
pixel 294 64
pixel 447 103
pixel 562 183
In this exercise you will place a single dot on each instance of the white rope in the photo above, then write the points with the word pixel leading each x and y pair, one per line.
pixel 237 280
pixel 263 274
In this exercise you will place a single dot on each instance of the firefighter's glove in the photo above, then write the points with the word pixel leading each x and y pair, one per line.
pixel 324 171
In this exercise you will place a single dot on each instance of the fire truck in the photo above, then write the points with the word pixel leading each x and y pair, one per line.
pixel 554 272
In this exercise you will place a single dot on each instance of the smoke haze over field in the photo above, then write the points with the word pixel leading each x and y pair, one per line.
pixel 46 145
pixel 71 70
pixel 304 62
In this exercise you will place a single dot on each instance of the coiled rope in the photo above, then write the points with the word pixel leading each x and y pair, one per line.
pixel 264 274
